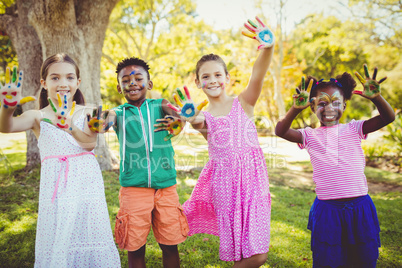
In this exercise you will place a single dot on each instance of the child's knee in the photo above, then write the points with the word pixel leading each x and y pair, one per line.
pixel 260 259
pixel 168 249
pixel 137 253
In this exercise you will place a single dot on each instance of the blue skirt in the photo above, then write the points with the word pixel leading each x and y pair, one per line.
pixel 344 232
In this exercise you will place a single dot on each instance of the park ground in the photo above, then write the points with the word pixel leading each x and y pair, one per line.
pixel 291 187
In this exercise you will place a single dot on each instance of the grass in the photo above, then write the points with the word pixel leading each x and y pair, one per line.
pixel 290 240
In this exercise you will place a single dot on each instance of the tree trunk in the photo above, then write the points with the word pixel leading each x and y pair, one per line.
pixel 76 27
pixel 26 44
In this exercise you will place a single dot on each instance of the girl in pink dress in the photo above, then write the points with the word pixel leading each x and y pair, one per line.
pixel 231 198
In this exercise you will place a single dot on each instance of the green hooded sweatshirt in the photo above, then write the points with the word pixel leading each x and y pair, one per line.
pixel 146 160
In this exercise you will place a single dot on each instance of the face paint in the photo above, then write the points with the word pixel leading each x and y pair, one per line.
pixel 326 100
pixel 329 106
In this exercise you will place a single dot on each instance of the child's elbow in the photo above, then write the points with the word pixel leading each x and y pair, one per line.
pixel 5 130
pixel 279 131
pixel 390 118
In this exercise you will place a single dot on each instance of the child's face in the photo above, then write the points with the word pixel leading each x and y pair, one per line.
pixel 133 84
pixel 329 106
pixel 212 78
pixel 61 78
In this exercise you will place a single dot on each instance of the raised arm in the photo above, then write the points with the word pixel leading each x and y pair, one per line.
pixel 300 102
pixel 266 38
pixel 372 91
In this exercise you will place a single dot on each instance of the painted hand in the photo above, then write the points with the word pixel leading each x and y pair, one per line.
pixel 63 116
pixel 301 99
pixel 371 86
pixel 172 124
pixel 261 33
pixel 97 123
pixel 188 109
pixel 10 93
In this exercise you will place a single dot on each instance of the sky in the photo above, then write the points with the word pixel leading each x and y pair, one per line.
pixel 229 14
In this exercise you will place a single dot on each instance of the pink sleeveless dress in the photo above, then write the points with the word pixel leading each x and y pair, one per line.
pixel 231 198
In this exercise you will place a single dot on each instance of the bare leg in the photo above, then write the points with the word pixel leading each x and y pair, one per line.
pixel 170 256
pixel 136 259
pixel 254 261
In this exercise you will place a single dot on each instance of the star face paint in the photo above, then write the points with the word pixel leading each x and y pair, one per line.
pixel 329 106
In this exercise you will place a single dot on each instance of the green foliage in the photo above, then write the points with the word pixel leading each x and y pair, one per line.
pixel 382 18
pixel 6 162
pixel 383 25
pixel 329 46
pixel 374 151
pixel 395 133
pixel 8 55
pixel 163 33
pixel 4 4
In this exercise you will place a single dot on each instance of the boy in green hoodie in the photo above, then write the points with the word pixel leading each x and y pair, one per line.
pixel 148 195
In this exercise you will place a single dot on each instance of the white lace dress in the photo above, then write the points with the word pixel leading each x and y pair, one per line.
pixel 73 228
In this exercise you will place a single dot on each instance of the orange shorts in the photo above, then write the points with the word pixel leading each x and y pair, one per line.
pixel 142 207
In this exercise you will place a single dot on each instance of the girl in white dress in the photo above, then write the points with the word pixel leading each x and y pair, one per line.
pixel 73 228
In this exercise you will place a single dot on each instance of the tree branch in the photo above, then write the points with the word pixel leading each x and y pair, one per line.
pixel 124 44
pixel 109 59
pixel 134 41
pixel 8 22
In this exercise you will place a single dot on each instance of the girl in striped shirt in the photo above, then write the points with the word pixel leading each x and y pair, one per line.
pixel 343 219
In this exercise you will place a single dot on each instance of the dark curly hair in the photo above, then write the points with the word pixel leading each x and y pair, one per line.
pixel 209 57
pixel 132 61
pixel 345 79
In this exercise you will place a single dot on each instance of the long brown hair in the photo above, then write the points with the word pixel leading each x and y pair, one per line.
pixel 59 57
pixel 210 57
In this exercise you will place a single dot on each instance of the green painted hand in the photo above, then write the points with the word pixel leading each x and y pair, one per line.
pixel 301 99
pixel 371 87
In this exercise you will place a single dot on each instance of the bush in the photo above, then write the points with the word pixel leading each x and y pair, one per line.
pixel 395 134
